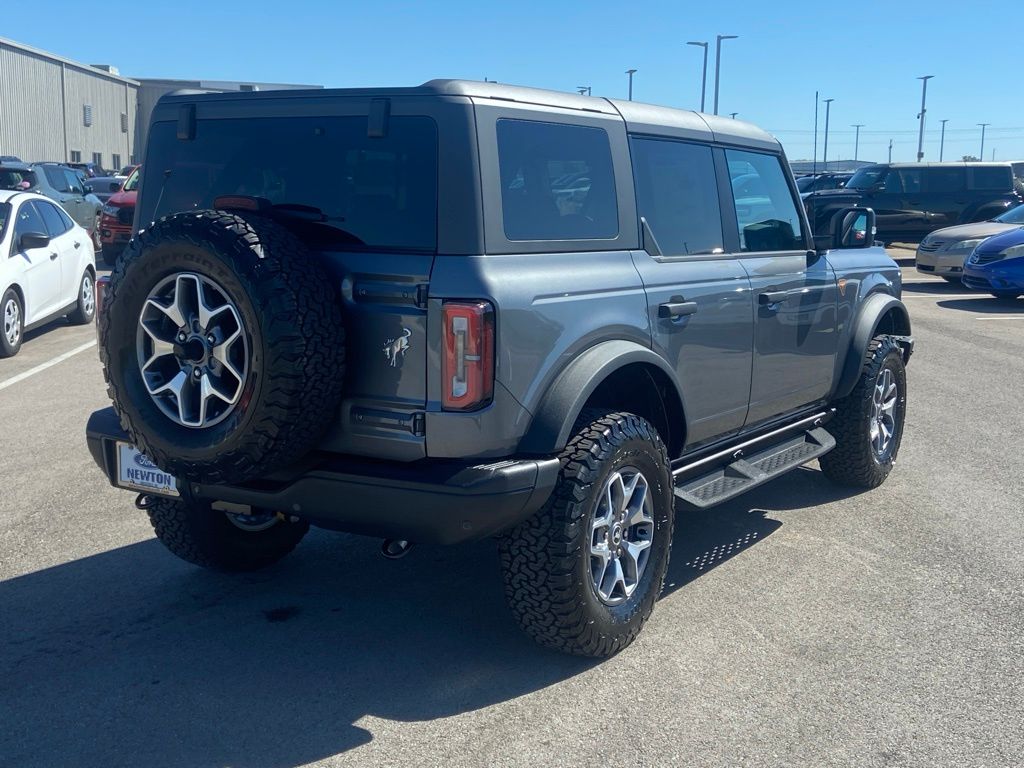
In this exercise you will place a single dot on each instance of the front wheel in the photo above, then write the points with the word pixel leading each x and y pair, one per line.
pixel 223 541
pixel 582 575
pixel 12 324
pixel 868 425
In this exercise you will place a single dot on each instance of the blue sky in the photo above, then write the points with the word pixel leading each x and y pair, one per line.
pixel 864 54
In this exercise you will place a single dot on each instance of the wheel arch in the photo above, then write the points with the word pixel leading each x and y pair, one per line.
pixel 880 313
pixel 618 374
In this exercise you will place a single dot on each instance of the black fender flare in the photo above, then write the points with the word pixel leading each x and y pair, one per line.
pixel 865 328
pixel 564 399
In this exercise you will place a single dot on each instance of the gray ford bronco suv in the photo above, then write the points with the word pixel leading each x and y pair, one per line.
pixel 470 310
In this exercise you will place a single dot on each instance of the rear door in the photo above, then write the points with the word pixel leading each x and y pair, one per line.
pixel 39 266
pixel 698 296
pixel 68 247
pixel 794 292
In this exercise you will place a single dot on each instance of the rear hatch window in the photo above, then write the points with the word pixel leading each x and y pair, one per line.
pixel 14 178
pixel 366 192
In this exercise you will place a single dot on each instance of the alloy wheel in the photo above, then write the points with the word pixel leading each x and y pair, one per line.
pixel 192 350
pixel 621 534
pixel 12 322
pixel 88 295
pixel 883 412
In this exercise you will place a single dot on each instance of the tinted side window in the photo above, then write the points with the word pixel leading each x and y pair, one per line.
pixel 367 192
pixel 68 223
pixel 75 182
pixel 56 178
pixel 765 212
pixel 27 220
pixel 910 179
pixel 993 177
pixel 677 194
pixel 557 182
pixel 54 223
pixel 946 179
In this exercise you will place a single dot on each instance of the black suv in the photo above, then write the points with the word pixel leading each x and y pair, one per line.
pixel 912 200
pixel 468 310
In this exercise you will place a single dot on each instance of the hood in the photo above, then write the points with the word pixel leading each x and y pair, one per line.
pixel 980 229
pixel 123 198
pixel 1000 242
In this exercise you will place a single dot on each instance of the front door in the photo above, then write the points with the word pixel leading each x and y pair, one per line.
pixel 39 266
pixel 698 296
pixel 794 294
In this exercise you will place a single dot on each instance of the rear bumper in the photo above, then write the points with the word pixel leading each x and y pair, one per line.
pixel 442 502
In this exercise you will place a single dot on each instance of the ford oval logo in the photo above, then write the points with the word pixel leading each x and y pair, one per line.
pixel 143 461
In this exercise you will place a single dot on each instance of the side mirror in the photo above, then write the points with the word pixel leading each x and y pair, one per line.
pixel 115 186
pixel 849 228
pixel 88 189
pixel 31 240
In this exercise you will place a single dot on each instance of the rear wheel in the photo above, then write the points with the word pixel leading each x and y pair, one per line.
pixel 97 242
pixel 868 425
pixel 12 323
pixel 222 541
pixel 86 309
pixel 582 575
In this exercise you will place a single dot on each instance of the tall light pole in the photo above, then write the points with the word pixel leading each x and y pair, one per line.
pixel 704 74
pixel 828 107
pixel 630 73
pixel 856 140
pixel 583 90
pixel 981 155
pixel 920 135
pixel 890 151
pixel 718 63
pixel 814 163
pixel 942 140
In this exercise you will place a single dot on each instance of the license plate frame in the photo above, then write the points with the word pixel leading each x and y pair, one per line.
pixel 136 472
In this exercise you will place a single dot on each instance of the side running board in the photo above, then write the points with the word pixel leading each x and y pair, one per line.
pixel 744 468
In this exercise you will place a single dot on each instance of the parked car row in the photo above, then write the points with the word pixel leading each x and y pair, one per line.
pixel 47 267
pixel 117 217
pixel 62 184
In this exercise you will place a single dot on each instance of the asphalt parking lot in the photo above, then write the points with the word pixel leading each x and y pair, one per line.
pixel 801 625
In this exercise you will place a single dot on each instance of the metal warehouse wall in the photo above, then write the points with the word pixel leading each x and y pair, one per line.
pixel 42 101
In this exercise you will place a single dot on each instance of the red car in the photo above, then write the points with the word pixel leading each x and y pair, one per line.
pixel 116 218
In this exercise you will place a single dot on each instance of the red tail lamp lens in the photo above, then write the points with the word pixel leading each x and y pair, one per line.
pixel 468 368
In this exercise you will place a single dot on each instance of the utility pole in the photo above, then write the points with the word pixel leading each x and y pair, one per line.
pixel 920 135
pixel 630 73
pixel 890 151
pixel 856 140
pixel 828 108
pixel 981 155
pixel 704 74
pixel 718 63
pixel 814 163
pixel 942 140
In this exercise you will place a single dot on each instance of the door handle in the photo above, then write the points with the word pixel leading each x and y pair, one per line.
pixel 53 257
pixel 676 309
pixel 78 245
pixel 768 298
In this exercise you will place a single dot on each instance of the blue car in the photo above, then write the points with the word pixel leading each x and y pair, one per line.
pixel 997 265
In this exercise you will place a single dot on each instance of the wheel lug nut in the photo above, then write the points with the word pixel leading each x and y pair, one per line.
pixel 211 338
pixel 181 336
pixel 197 372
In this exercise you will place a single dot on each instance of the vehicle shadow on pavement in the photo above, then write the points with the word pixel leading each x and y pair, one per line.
pixel 130 657
pixel 935 288
pixel 989 305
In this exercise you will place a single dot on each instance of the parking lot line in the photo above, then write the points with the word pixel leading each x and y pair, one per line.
pixel 48 364
pixel 1002 317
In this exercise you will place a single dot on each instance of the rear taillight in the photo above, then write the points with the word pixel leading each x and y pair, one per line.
pixel 468 368
pixel 102 284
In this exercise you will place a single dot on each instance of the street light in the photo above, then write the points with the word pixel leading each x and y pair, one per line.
pixel 942 141
pixel 630 73
pixel 718 63
pixel 856 141
pixel 981 155
pixel 828 108
pixel 733 115
pixel 704 74
pixel 583 90
pixel 920 136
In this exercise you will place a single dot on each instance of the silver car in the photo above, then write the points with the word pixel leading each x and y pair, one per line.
pixel 943 252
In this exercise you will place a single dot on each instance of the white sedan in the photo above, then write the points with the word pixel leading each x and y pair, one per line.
pixel 47 267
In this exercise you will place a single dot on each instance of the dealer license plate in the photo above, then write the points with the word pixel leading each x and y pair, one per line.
pixel 136 471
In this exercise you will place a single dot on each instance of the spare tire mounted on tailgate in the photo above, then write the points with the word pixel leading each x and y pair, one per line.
pixel 222 345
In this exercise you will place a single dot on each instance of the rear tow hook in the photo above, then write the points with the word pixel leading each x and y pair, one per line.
pixel 396 549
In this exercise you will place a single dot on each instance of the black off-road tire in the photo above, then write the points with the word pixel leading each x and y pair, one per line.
pixel 290 310
pixel 207 538
pixel 6 348
pixel 854 462
pixel 85 314
pixel 546 559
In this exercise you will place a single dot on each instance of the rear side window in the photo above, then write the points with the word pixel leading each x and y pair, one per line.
pixel 766 214
pixel 557 182
pixel 75 182
pixel 56 178
pixel 55 226
pixel 359 192
pixel 946 179
pixel 992 178
pixel 13 178
pixel 677 194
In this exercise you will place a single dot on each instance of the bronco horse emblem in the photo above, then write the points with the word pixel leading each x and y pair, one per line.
pixel 397 347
